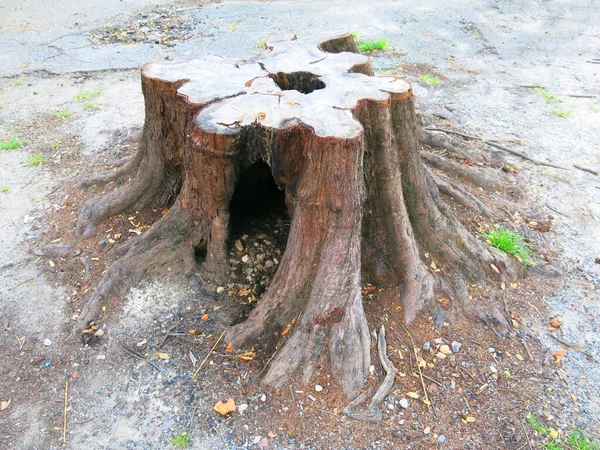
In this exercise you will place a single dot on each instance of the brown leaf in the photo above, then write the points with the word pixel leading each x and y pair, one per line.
pixel 162 355
pixel 248 355
pixel 559 355
pixel 228 348
pixel 164 211
pixel 556 322
pixel 205 317
pixel 225 408
pixel 286 330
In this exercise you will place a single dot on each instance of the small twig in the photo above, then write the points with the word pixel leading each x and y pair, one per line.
pixel 65 412
pixel 469 374
pixel 581 96
pixel 501 147
pixel 557 211
pixel 84 421
pixel 140 356
pixel 527 349
pixel 576 347
pixel 526 435
pixel 585 169
pixel 209 353
pixel 432 379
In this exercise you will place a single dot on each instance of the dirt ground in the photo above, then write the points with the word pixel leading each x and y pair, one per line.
pixel 70 91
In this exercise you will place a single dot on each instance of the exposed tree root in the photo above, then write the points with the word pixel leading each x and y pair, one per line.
pixel 479 176
pixel 361 200
pixel 373 413
pixel 461 196
pixel 122 170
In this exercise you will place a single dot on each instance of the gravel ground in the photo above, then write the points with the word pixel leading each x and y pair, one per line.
pixel 487 55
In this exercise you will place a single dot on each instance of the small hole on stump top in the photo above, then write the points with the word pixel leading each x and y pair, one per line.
pixel 304 82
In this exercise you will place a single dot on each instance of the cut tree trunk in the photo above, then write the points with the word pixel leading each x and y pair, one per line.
pixel 344 147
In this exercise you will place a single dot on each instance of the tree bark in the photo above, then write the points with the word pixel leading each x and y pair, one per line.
pixel 344 147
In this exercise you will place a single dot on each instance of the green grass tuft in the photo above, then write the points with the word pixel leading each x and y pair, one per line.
pixel 543 93
pixel 91 106
pixel 182 440
pixel 562 112
pixel 35 160
pixel 509 242
pixel 63 113
pixel 84 95
pixel 429 79
pixel 578 440
pixel 536 425
pixel 371 46
pixel 4 189
pixel 17 83
pixel 12 144
pixel 2 105
pixel 261 43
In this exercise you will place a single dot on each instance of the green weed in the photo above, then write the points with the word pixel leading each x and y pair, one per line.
pixel 4 189
pixel 578 440
pixel 369 46
pixel 182 440
pixel 35 160
pixel 63 113
pixel 543 93
pixel 509 242
pixel 261 43
pixel 535 424
pixel 13 143
pixel 17 83
pixel 57 144
pixel 1 105
pixel 562 112
pixel 429 79
pixel 84 95
pixel 91 106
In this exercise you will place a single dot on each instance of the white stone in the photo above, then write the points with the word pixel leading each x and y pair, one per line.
pixel 404 403
pixel 318 388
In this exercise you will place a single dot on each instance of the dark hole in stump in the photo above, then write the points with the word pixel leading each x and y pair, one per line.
pixel 256 196
pixel 260 222
pixel 304 82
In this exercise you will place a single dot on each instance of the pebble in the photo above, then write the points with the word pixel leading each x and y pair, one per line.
pixel 318 388
pixel 456 346
pixel 243 407
pixel 101 357
pixel 220 290
pixel 445 350
pixel 441 439
pixel 47 342
pixel 427 346
pixel 263 398
pixel 404 403
pixel 245 258
pixel 440 355
pixel 427 430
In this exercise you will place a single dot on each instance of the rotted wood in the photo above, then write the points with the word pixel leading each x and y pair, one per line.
pixel 344 147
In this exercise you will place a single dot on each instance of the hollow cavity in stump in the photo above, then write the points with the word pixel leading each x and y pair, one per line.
pixel 342 147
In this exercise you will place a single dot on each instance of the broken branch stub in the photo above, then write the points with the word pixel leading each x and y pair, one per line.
pixel 343 145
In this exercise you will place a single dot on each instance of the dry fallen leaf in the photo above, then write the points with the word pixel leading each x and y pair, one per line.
pixel 413 395
pixel 162 355
pixel 248 355
pixel 559 355
pixel 519 357
pixel 4 404
pixel 205 317
pixel 225 408
pixel 286 330
pixel 271 435
pixel 553 433
pixel 228 348
pixel 469 419
pixel 556 322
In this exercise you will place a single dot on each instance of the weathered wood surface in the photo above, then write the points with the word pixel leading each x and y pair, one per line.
pixel 344 146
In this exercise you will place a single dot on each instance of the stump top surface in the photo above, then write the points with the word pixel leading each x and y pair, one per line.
pixel 268 89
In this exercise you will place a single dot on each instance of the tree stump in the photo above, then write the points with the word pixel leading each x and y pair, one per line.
pixel 343 146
